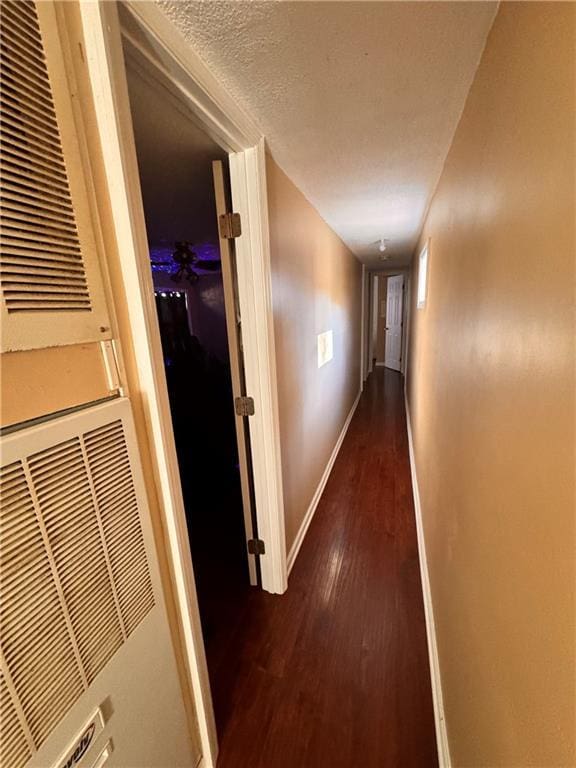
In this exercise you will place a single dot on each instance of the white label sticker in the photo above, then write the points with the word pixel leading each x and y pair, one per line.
pixel 75 753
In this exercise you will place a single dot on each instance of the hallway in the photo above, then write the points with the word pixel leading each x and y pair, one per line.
pixel 401 189
pixel 335 672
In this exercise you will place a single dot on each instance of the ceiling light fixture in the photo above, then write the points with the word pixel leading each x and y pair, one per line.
pixel 382 246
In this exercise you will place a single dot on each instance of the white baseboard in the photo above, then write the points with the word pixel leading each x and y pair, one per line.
pixel 380 365
pixel 439 718
pixel 295 548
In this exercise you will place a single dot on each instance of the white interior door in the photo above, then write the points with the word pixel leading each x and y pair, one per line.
pixel 394 313
pixel 234 330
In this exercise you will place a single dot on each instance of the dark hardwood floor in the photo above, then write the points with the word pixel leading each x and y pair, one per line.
pixel 334 674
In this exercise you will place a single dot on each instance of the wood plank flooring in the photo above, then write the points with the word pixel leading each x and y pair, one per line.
pixel 334 674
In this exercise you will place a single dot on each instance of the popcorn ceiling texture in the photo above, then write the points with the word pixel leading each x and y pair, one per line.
pixel 358 100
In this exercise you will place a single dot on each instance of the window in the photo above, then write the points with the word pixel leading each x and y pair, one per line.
pixel 422 276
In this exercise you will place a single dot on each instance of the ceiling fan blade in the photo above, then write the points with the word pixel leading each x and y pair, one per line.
pixel 210 265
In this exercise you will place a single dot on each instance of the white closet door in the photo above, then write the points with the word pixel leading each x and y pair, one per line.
pixel 88 672
pixel 51 290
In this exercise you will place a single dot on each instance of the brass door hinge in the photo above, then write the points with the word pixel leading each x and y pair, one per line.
pixel 256 547
pixel 230 225
pixel 244 406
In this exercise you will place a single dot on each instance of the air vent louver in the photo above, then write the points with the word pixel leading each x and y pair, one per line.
pixel 74 577
pixel 36 645
pixel 41 263
pixel 14 747
pixel 110 469
pixel 64 495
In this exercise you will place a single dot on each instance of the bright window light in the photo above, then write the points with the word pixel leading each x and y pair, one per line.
pixel 422 276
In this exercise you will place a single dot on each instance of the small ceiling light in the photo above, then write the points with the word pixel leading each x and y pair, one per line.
pixel 382 246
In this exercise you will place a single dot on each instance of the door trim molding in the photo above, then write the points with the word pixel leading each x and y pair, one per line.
pixel 442 743
pixel 192 81
pixel 362 328
pixel 236 132
pixel 163 49
pixel 104 57
pixel 407 272
pixel 302 531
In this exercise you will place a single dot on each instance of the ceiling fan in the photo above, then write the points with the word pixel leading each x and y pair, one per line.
pixel 184 262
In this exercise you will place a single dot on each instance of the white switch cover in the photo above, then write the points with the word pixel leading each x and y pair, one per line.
pixel 325 348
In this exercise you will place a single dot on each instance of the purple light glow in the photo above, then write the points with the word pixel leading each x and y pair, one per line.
pixel 163 253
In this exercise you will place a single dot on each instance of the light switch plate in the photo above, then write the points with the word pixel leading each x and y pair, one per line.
pixel 325 348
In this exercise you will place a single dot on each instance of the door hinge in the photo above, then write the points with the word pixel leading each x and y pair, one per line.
pixel 256 547
pixel 230 225
pixel 244 406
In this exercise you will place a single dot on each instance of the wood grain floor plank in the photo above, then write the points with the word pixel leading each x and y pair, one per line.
pixel 334 674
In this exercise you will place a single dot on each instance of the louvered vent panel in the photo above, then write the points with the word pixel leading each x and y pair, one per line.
pixel 14 749
pixel 75 580
pixel 35 642
pixel 64 494
pixel 110 467
pixel 41 262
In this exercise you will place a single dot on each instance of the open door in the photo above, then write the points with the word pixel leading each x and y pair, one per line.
pixel 229 228
pixel 394 315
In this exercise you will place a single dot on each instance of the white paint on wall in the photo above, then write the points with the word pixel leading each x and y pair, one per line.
pixel 325 348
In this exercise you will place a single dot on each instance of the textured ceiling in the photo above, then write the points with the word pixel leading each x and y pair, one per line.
pixel 358 100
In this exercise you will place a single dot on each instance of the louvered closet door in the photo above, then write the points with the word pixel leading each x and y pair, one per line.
pixel 83 625
pixel 50 282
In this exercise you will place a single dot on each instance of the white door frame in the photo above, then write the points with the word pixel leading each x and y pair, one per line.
pixel 407 317
pixel 235 131
pixel 373 320
pixel 363 329
pixel 367 318
pixel 366 312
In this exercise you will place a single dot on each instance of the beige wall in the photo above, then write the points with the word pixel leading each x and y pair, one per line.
pixel 316 284
pixel 491 388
